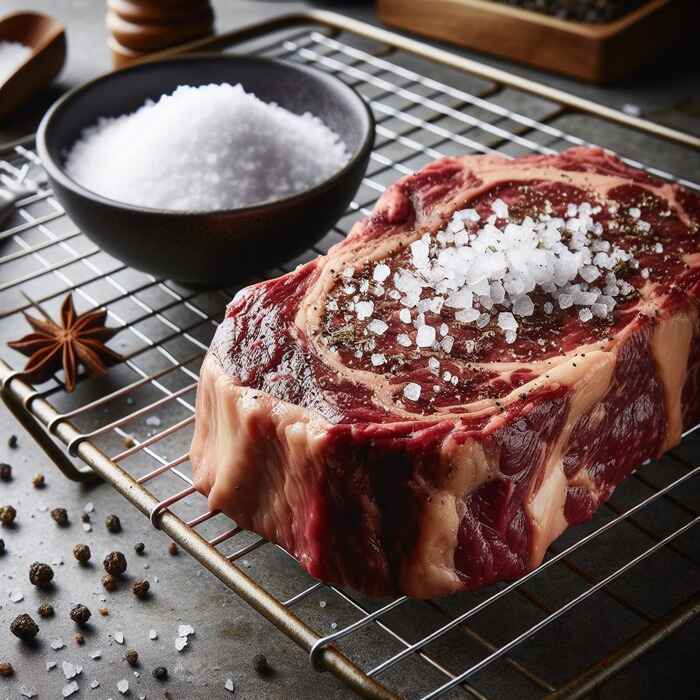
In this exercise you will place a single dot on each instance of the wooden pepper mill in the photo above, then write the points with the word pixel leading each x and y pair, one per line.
pixel 140 27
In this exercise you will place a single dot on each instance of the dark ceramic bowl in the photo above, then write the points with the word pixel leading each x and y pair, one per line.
pixel 215 247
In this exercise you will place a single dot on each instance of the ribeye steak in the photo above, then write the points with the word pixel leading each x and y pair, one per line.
pixel 474 369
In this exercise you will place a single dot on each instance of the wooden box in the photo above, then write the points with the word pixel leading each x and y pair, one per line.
pixel 599 53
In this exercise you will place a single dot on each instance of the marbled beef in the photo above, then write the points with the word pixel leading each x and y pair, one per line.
pixel 302 438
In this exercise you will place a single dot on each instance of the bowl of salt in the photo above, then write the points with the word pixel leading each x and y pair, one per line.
pixel 207 169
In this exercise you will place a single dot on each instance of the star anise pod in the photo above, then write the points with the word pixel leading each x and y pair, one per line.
pixel 78 340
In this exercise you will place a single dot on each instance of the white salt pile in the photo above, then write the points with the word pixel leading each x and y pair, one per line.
pixel 203 149
pixel 488 272
pixel 12 56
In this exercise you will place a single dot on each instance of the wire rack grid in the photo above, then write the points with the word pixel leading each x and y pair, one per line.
pixel 133 427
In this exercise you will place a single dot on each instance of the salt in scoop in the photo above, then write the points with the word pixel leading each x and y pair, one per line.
pixel 46 39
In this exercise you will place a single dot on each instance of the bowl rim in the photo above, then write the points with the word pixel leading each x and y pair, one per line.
pixel 56 171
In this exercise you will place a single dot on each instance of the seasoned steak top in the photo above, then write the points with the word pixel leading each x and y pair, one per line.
pixel 471 278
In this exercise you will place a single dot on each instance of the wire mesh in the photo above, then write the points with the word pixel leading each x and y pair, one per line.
pixel 490 643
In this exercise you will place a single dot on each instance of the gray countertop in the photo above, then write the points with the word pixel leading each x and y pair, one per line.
pixel 227 633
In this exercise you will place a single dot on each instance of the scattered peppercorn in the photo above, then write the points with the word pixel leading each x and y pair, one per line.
pixel 104 611
pixel 60 516
pixel 6 670
pixel 5 472
pixel 7 515
pixel 2 547
pixel 13 442
pixel 132 657
pixel 261 665
pixel 172 549
pixel 115 563
pixel 24 628
pixel 160 673
pixel 113 524
pixel 85 517
pixel 39 481
pixel 141 587
pixel 79 639
pixel 40 574
pixel 109 583
pixel 82 553
pixel 80 614
pixel 139 548
pixel 45 610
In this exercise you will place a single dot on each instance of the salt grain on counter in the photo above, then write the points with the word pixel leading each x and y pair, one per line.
pixel 205 148
pixel 69 689
pixel 12 56
pixel 185 630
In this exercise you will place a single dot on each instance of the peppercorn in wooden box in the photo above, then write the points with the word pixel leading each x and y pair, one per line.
pixel 592 50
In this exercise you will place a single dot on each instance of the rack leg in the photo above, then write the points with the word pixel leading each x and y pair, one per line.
pixel 57 455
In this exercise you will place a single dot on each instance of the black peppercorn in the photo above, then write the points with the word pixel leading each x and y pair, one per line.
pixel 40 574
pixel 60 516
pixel 261 666
pixel 7 515
pixel 160 673
pixel 141 588
pixel 39 481
pixel 82 553
pixel 115 563
pixel 80 614
pixel 6 669
pixel 13 442
pixel 45 610
pixel 5 472
pixel 139 548
pixel 85 517
pixel 132 657
pixel 24 627
pixel 172 549
pixel 110 583
pixel 2 547
pixel 113 524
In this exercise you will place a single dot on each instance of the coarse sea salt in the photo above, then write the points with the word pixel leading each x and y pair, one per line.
pixel 205 148
pixel 497 275
pixel 412 391
pixel 12 56
pixel 499 267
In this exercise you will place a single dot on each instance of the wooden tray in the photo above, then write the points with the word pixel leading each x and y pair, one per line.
pixel 599 53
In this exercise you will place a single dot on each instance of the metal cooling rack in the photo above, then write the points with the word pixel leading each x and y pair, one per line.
pixel 133 427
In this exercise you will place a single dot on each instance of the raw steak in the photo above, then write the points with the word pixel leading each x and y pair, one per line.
pixel 413 437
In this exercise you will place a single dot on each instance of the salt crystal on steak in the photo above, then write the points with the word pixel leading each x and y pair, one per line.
pixel 412 391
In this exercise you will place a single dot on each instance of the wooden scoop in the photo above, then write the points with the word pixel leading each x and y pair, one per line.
pixel 46 37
